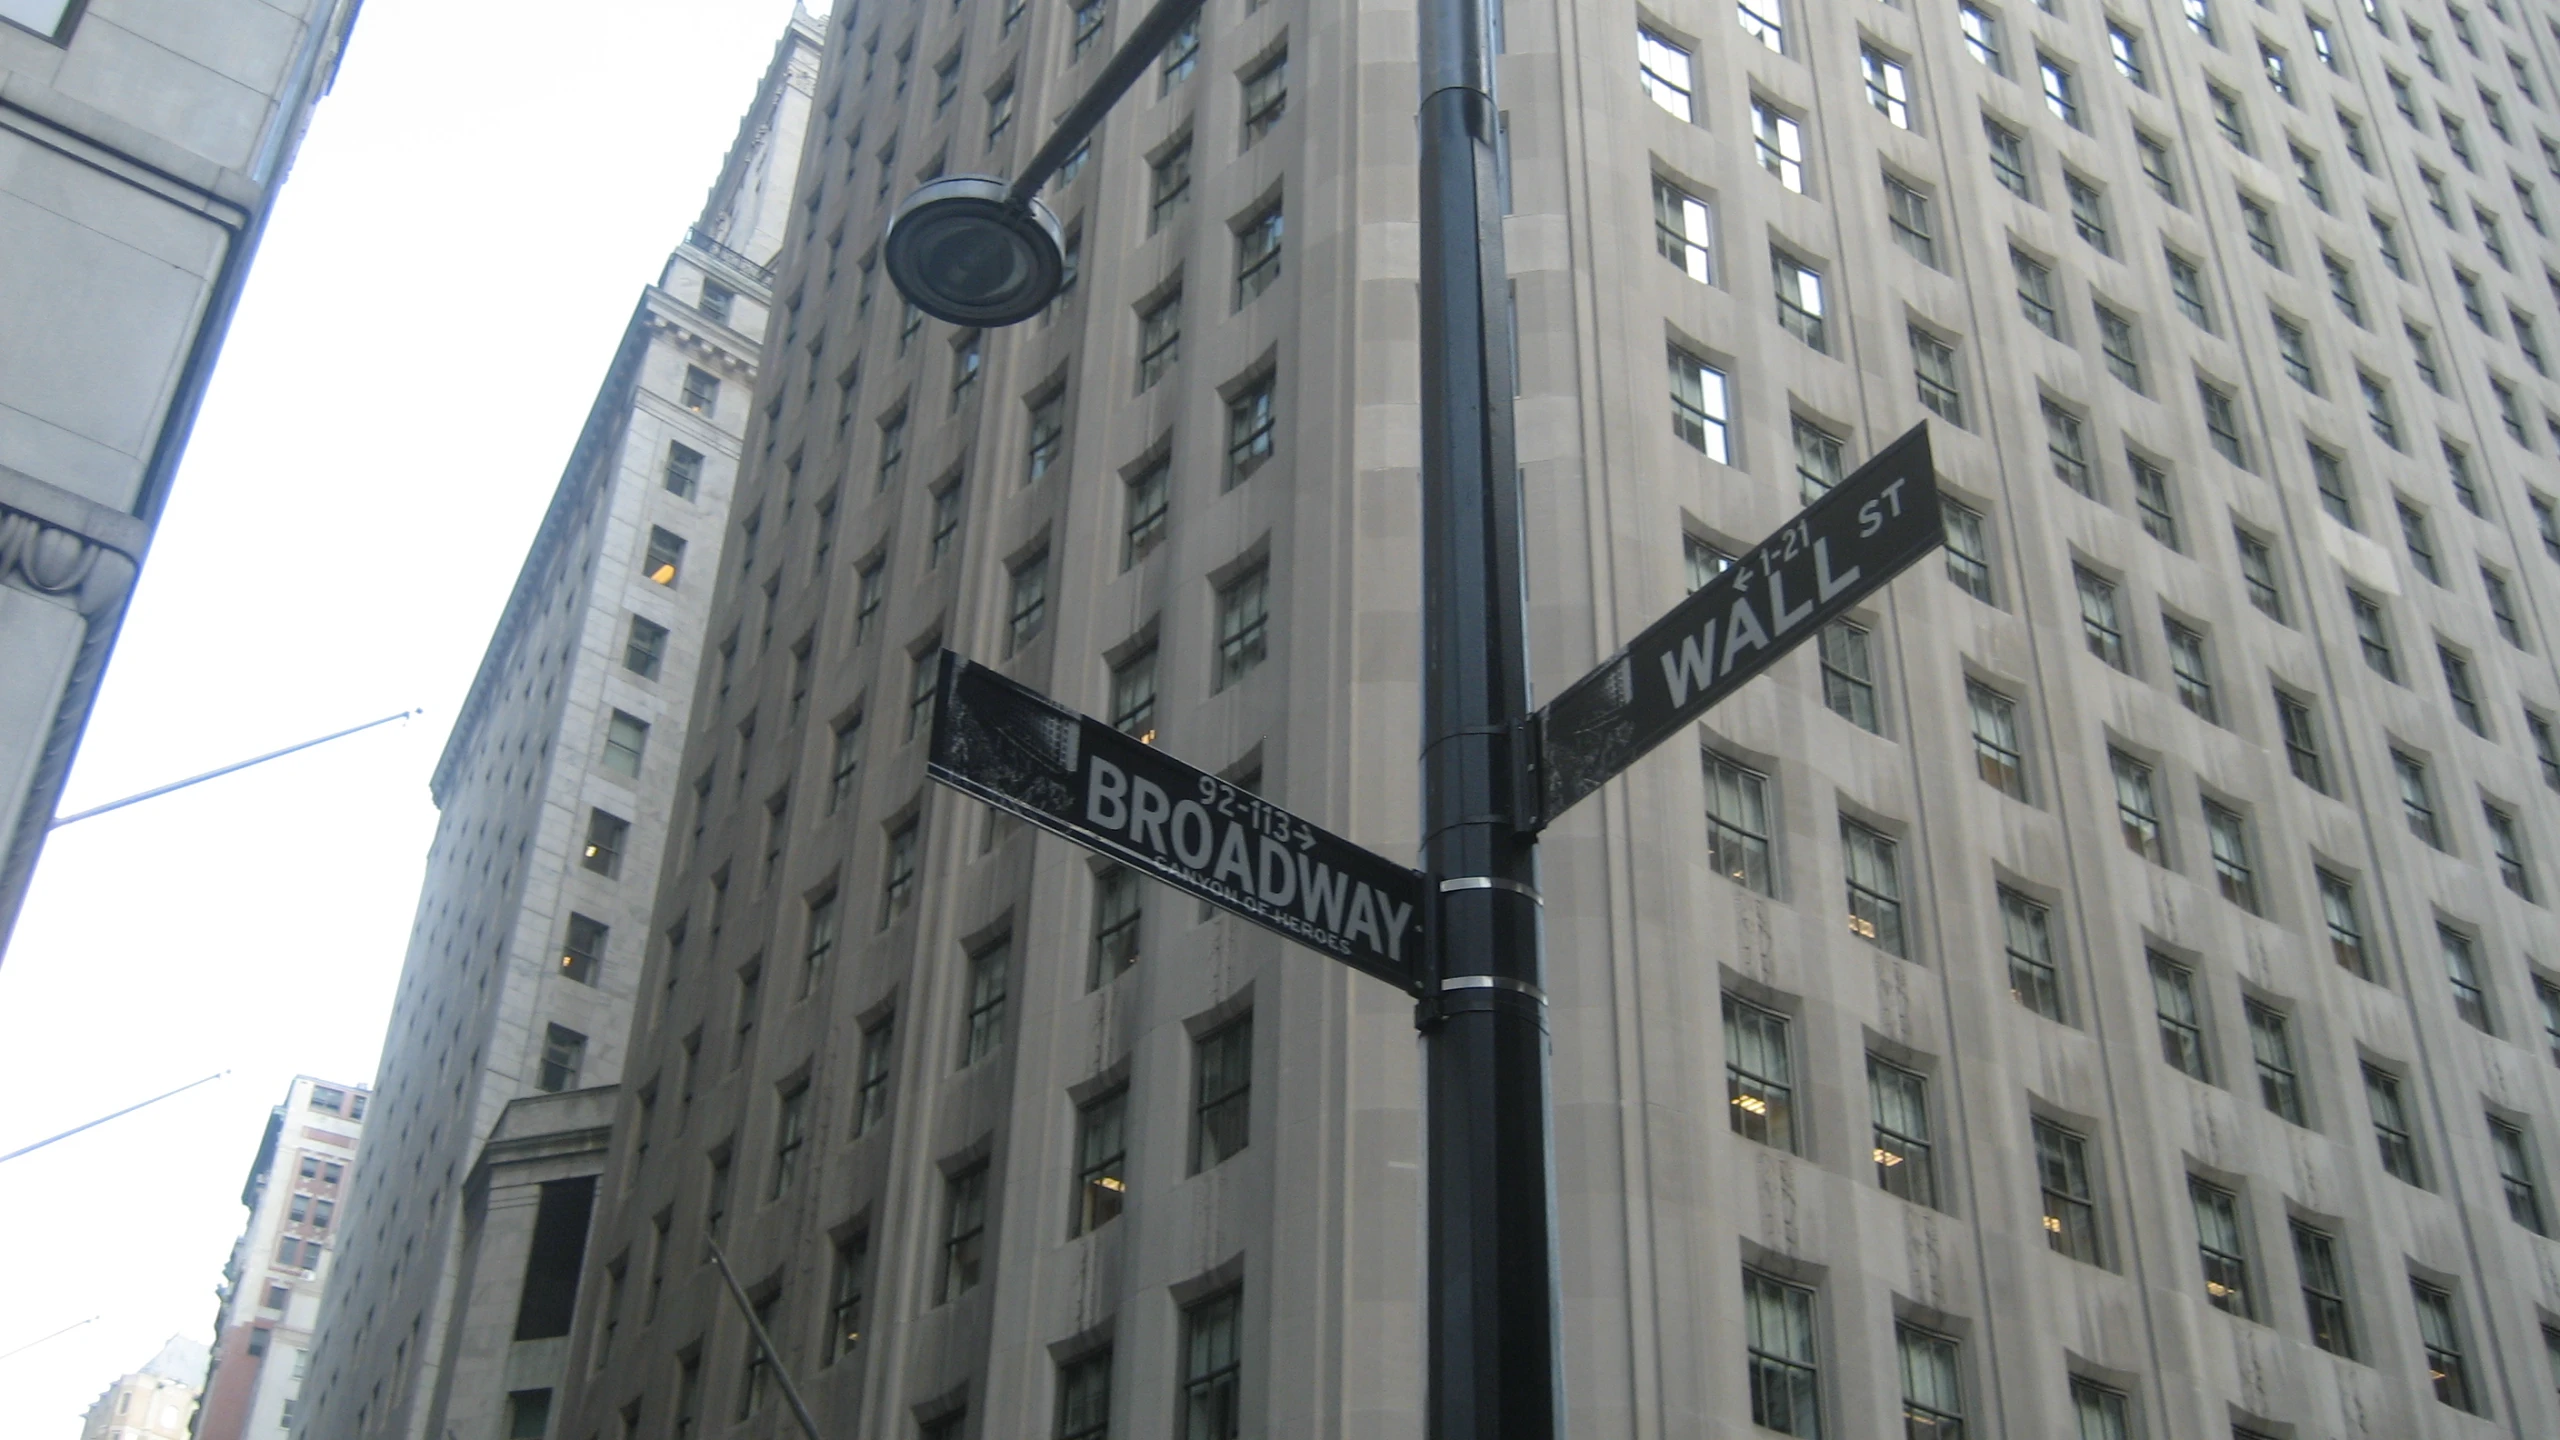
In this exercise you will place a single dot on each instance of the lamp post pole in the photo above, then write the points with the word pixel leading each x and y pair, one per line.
pixel 1491 1353
pixel 979 250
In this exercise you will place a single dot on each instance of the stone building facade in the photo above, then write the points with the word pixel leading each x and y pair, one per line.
pixel 156 1402
pixel 279 1267
pixel 141 146
pixel 2106 986
pixel 554 789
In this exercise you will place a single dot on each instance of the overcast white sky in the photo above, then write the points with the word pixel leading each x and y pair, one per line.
pixel 467 229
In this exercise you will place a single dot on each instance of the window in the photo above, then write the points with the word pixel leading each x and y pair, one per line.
pixel 2220 1247
pixel 1996 749
pixel 1932 1385
pixel 1778 140
pixel 683 473
pixel 1243 625
pixel 1848 674
pixel 1133 695
pixel 2061 90
pixel 1981 36
pixel 2188 666
pixel 1159 339
pixel 2271 1047
pixel 2228 119
pixel 2422 353
pixel 1765 21
pixel 1759 1074
pixel 968 360
pixel 989 970
pixel 910 325
pixel 1799 290
pixel 1143 514
pixel 1222 1063
pixel 2066 446
pixel 1048 433
pixel 2324 1290
pixel 2547 995
pixel 1900 1101
pixel 1738 823
pixel 2417 801
pixel 2070 1201
pixel 1819 461
pixel 1874 876
pixel 1084 1397
pixel 2026 930
pixel 2151 500
pixel 2295 350
pixel 2036 293
pixel 2100 628
pixel 606 835
pixel 1102 1162
pixel 2126 51
pixel 564 1052
pixel 2515 1174
pixel 893 446
pixel 2009 158
pixel 844 1295
pixel 665 556
pixel 1663 69
pixel 1701 562
pixel 2157 167
pixel 1968 554
pixel 790 1137
pixel 582 950
pixel 1168 184
pixel 898 874
pixel 2458 688
pixel 2509 413
pixel 2387 239
pixel 2441 1339
pixel 1888 84
pixel 964 1243
pixel 1087 22
pixel 1698 405
pixel 2546 748
pixel 871 1096
pixel 1266 97
pixel 1684 231
pixel 1933 365
pixel 2089 213
pixel 1181 54
pixel 1258 254
pixel 2528 340
pixel 2173 995
pixel 2222 422
pixel 2353 131
pixel 2506 841
pixel 2342 287
pixel 2261 228
pixel 1778 1324
pixel 1212 1368
pixel 1027 612
pixel 2462 972
pixel 2391 1125
pixel 701 390
pixel 2373 634
pixel 2228 837
pixel 2137 808
pixel 1249 428
pixel 2118 343
pixel 2301 741
pixel 1119 907
pixel 2306 172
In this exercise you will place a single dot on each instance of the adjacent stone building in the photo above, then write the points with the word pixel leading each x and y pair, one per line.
pixel 279 1267
pixel 156 1402
pixel 141 146
pixel 2107 986
pixel 468 1220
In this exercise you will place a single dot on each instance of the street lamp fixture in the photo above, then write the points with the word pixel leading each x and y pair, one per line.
pixel 980 250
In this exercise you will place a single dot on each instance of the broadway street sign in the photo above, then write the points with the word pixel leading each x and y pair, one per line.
pixel 1068 773
pixel 1836 551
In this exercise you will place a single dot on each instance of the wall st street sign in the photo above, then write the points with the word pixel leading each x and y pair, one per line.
pixel 1835 552
pixel 1071 774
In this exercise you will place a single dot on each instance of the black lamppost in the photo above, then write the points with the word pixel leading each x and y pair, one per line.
pixel 977 250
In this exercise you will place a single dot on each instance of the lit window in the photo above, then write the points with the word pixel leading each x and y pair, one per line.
pixel 2070 1199
pixel 2220 1248
pixel 1899 1101
pixel 1874 875
pixel 1102 1162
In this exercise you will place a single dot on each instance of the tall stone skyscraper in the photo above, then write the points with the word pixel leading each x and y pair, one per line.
pixel 141 147
pixel 2107 986
pixel 279 1266
pixel 464 1233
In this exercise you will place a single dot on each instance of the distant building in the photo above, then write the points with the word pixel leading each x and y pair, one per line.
pixel 157 1402
pixel 141 145
pixel 271 1289
pixel 469 1222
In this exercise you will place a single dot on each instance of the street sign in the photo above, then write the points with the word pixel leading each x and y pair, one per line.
pixel 1836 551
pixel 1070 774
